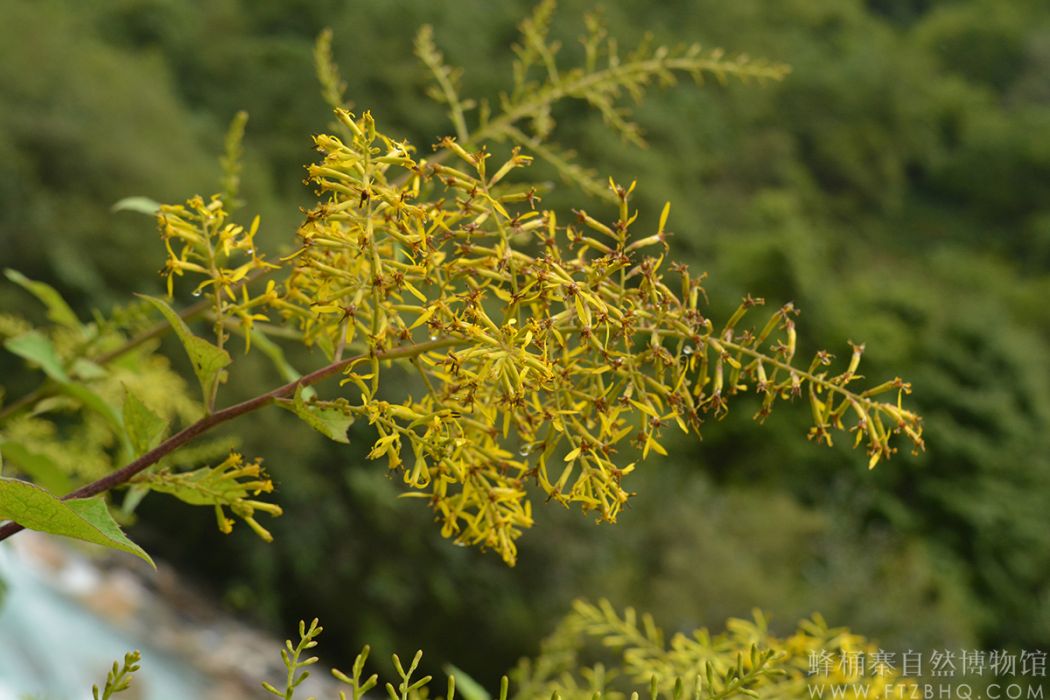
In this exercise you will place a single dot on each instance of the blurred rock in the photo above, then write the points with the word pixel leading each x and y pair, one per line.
pixel 158 610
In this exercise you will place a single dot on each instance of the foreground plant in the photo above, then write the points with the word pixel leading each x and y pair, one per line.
pixel 597 652
pixel 553 351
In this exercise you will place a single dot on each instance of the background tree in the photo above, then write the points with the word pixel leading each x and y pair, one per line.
pixel 870 161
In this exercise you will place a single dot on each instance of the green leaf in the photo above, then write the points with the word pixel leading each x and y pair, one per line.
pixel 38 349
pixel 57 308
pixel 145 428
pixel 38 467
pixel 206 486
pixel 87 370
pixel 95 402
pixel 466 686
pixel 330 421
pixel 209 361
pixel 85 519
pixel 141 205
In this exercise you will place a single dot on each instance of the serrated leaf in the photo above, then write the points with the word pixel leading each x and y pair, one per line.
pixel 330 422
pixel 145 428
pixel 57 308
pixel 141 205
pixel 209 361
pixel 85 519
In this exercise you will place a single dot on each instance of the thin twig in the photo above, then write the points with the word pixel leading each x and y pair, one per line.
pixel 155 331
pixel 208 422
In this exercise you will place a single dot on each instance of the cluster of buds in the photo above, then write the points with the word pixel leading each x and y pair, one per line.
pixel 200 239
pixel 230 484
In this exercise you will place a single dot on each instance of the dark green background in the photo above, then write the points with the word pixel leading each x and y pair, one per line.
pixel 896 187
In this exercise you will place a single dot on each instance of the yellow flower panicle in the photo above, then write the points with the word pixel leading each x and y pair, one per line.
pixel 200 239
pixel 568 349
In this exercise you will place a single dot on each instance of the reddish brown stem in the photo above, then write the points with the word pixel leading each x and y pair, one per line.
pixel 156 331
pixel 209 421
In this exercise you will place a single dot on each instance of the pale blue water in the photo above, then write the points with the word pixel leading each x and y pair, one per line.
pixel 52 648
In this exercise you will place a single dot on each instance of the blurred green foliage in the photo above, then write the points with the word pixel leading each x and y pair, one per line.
pixel 896 187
